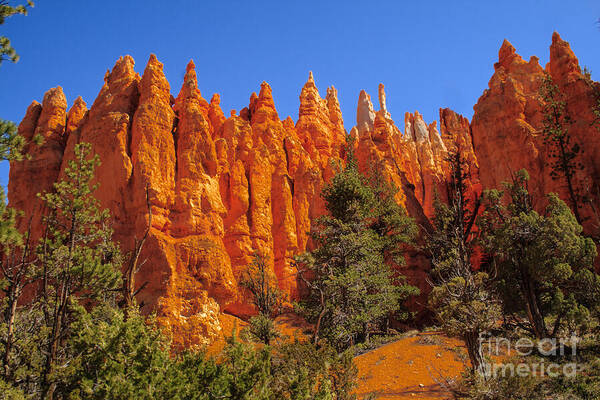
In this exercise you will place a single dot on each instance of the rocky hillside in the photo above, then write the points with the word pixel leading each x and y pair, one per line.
pixel 221 188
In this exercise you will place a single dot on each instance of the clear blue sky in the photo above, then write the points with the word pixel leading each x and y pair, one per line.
pixel 429 54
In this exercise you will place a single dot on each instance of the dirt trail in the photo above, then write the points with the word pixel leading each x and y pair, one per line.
pixel 409 368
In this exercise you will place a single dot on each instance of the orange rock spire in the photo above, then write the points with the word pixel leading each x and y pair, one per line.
pixel 222 189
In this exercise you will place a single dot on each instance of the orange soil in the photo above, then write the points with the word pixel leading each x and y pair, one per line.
pixel 410 368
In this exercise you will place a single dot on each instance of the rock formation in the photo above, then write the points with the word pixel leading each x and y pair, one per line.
pixel 221 189
pixel 507 127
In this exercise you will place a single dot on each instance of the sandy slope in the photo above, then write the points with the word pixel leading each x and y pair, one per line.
pixel 410 368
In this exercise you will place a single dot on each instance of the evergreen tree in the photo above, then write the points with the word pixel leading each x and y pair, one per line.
pixel 11 144
pixel 16 273
pixel 244 373
pixel 262 284
pixel 302 370
pixel 262 328
pixel 542 258
pixel 7 52
pixel 461 296
pixel 351 287
pixel 563 153
pixel 296 370
pixel 79 263
pixel 192 376
pixel 266 297
pixel 74 269
pixel 16 267
pixel 116 357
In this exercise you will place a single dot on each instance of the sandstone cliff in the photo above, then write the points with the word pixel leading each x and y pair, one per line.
pixel 507 126
pixel 222 188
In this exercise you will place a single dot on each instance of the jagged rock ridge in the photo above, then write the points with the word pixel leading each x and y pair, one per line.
pixel 223 188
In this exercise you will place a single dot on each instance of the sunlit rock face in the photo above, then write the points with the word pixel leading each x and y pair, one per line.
pixel 507 127
pixel 222 189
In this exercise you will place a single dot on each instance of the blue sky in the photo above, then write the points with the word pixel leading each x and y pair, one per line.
pixel 429 54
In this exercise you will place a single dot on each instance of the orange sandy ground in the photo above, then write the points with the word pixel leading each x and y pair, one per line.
pixel 409 368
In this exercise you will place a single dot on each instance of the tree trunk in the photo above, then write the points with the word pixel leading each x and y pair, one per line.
pixel 365 333
pixel 534 314
pixel 13 297
pixel 568 172
pixel 478 363
pixel 557 324
pixel 129 276
pixel 57 326
pixel 536 319
pixel 318 324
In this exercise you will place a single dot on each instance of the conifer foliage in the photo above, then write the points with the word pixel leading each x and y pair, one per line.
pixel 7 52
pixel 564 152
pixel 544 263
pixel 352 287
pixel 461 297
pixel 77 339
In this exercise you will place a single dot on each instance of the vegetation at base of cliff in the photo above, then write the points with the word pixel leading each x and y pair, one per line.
pixel 543 262
pixel 261 282
pixel 122 357
pixel 262 328
pixel 353 288
pixel 581 382
pixel 73 338
pixel 461 298
pixel 534 283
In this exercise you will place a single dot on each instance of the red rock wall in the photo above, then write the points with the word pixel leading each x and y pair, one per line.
pixel 222 188
pixel 507 126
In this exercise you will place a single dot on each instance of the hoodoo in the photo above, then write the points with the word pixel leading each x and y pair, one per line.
pixel 222 189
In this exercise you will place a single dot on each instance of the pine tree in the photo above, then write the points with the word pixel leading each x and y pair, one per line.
pixel 543 260
pixel 11 143
pixel 116 357
pixel 461 297
pixel 351 287
pixel 302 370
pixel 16 273
pixel 79 263
pixel 262 284
pixel 563 153
pixel 74 268
pixel 7 52
pixel 262 328
pixel 245 372
pixel 16 269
